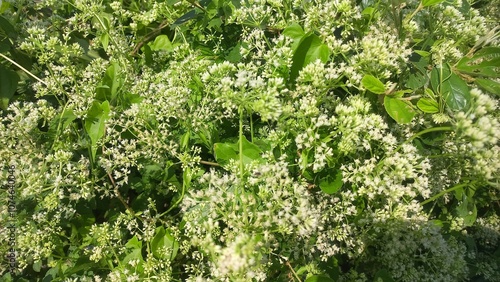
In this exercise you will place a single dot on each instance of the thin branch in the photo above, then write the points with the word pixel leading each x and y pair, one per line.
pixel 148 37
pixel 119 195
pixel 209 163
pixel 293 271
pixel 25 70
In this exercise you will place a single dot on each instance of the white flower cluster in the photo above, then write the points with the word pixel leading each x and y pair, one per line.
pixel 479 133
pixel 235 86
pixel 241 229
pixel 382 53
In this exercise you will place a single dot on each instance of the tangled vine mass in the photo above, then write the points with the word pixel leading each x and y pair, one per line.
pixel 252 140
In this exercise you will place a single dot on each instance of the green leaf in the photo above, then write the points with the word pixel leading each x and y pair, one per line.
pixel 331 184
pixel 416 80
pixel 185 140
pixel 227 151
pixel 319 278
pixel 104 38
pixel 134 243
pixel 162 42
pixel 438 76
pixel 163 239
pixel 456 93
pixel 184 18
pixel 489 63
pixel 295 32
pixel 224 152
pixel 7 28
pixel 467 210
pixel 384 275
pixel 60 123
pixel 95 124
pixel 309 50
pixel 8 86
pixel 488 85
pixel 428 105
pixel 422 53
pixel 37 266
pixel 399 110
pixel 4 6
pixel 111 82
pixel 427 3
pixel 234 55
pixel 373 84
pixel 251 151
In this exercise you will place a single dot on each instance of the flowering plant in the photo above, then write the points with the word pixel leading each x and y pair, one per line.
pixel 252 140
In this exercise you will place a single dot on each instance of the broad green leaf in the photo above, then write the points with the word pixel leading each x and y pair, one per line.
pixel 309 50
pixel 164 240
pixel 416 81
pixel 8 86
pixel 399 110
pixel 488 85
pixel 234 55
pixel 4 6
pixel 225 152
pixel 134 243
pixel 4 46
pixel 368 11
pixel 162 42
pixel 427 105
pixel 438 76
pixel 467 210
pixel 104 38
pixel 331 184
pixel 112 81
pixel 95 124
pixel 37 266
pixel 134 247
pixel 456 93
pixel 422 53
pixel 373 84
pixel 427 3
pixel 295 32
pixel 384 275
pixel 319 278
pixel 7 28
pixel 216 24
pixel 251 151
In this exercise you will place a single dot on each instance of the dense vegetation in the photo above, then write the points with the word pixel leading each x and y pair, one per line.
pixel 252 140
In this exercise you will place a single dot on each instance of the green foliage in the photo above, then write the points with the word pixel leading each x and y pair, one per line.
pixel 227 140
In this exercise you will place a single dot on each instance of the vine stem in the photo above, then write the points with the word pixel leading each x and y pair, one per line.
pixel 435 197
pixel 293 271
pixel 25 70
pixel 242 167
pixel 425 131
pixel 209 163
pixel 419 8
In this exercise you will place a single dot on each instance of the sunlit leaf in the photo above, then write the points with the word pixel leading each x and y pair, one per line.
pixel 427 3
pixel 428 105
pixel 399 110
pixel 373 84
